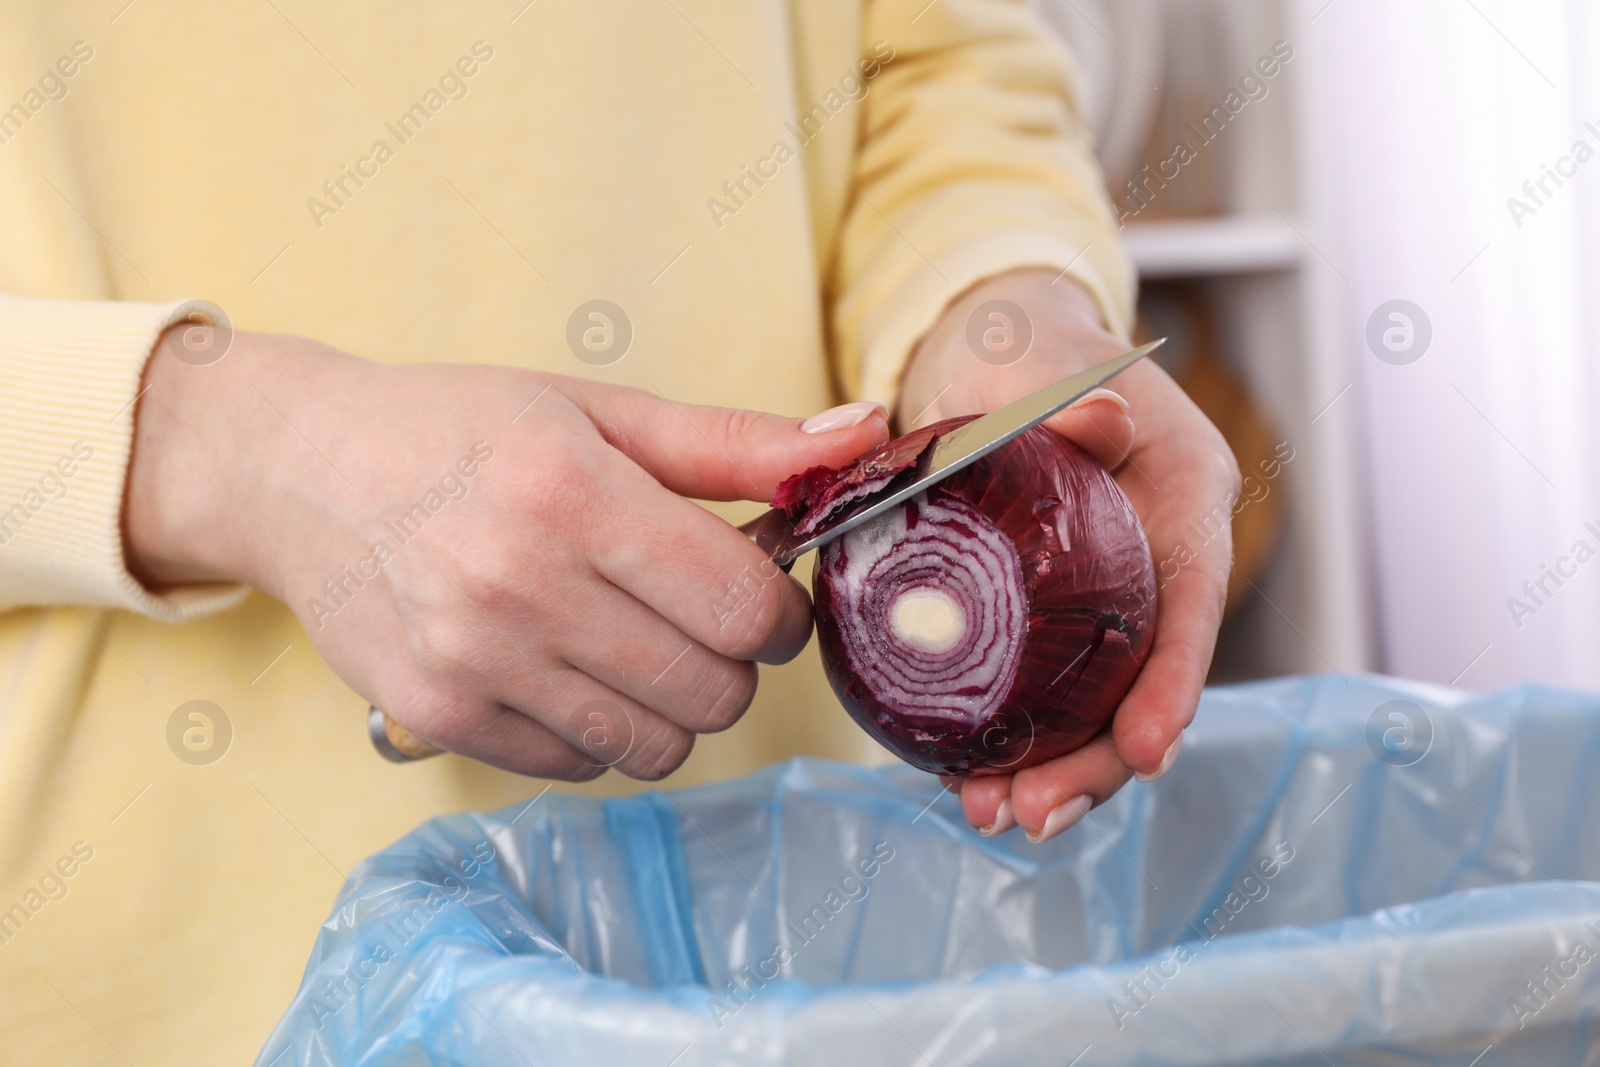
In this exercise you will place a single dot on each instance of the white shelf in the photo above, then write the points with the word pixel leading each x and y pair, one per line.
pixel 1244 214
pixel 1234 244
pixel 1243 220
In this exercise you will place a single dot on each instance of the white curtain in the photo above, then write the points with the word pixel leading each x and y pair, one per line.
pixel 1482 468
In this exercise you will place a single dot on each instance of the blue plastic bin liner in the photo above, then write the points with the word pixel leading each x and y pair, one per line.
pixel 1335 872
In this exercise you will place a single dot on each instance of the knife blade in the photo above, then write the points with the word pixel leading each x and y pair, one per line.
pixel 957 450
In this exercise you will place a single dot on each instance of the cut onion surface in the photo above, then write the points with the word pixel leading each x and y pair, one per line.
pixel 990 623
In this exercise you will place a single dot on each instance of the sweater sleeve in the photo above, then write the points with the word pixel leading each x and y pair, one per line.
pixel 69 381
pixel 973 161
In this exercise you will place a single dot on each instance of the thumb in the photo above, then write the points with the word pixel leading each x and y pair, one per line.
pixel 1098 423
pixel 715 453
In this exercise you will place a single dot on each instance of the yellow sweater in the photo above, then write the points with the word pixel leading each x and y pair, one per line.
pixel 782 198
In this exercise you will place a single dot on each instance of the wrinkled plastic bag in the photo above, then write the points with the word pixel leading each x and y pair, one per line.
pixel 1340 872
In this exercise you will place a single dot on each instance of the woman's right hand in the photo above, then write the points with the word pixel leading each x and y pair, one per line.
pixel 503 560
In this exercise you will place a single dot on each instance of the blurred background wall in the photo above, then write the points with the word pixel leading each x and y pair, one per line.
pixel 1370 229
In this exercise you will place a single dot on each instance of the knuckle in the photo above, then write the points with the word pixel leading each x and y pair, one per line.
pixel 491 576
pixel 725 695
pixel 662 754
pixel 562 477
pixel 440 645
pixel 754 626
pixel 741 424
pixel 603 732
pixel 563 473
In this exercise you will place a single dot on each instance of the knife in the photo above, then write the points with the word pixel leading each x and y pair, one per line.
pixel 774 534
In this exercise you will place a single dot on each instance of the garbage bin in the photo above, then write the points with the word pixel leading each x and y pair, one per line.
pixel 1337 871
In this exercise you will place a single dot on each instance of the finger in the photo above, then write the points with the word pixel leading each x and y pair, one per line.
pixel 697 572
pixel 1165 696
pixel 1099 424
pixel 715 453
pixel 1191 589
pixel 986 802
pixel 641 655
pixel 1053 796
pixel 1187 518
pixel 605 727
pixel 494 734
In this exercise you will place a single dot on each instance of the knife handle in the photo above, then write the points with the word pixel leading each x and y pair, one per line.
pixel 394 742
pixel 770 530
pixel 399 745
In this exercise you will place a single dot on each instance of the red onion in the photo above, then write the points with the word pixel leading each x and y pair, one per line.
pixel 990 623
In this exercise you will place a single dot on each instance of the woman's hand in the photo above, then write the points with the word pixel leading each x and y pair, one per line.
pixel 503 560
pixel 1176 470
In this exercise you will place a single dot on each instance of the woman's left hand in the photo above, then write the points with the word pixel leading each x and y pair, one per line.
pixel 1176 470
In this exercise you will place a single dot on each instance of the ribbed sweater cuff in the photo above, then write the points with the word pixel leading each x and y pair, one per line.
pixel 69 378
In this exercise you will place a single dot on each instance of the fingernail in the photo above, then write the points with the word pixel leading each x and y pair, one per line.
pixel 843 417
pixel 1102 394
pixel 1003 820
pixel 1167 760
pixel 1062 817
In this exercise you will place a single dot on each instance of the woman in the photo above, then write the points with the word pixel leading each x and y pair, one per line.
pixel 570 250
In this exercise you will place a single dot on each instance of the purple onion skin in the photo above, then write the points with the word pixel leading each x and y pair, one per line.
pixel 1056 663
